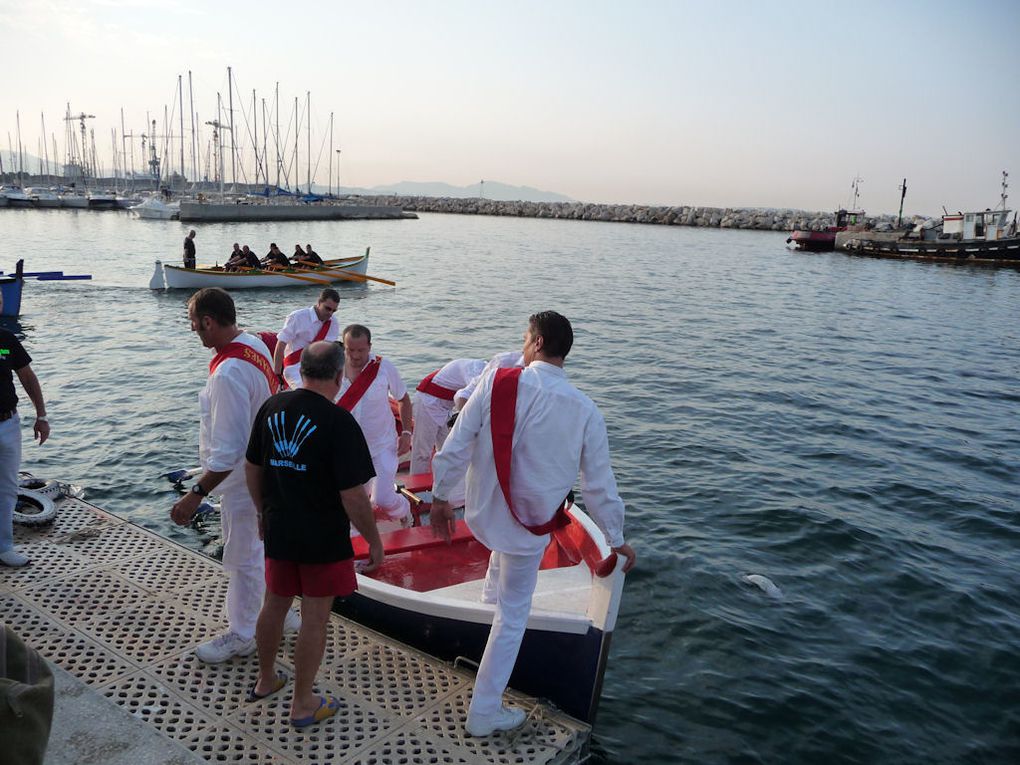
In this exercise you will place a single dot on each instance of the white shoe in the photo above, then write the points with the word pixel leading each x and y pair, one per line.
pixel 223 647
pixel 292 623
pixel 13 558
pixel 504 719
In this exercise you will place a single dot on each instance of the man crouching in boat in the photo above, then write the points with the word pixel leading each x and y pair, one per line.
pixel 302 328
pixel 555 431
pixel 305 466
pixel 368 384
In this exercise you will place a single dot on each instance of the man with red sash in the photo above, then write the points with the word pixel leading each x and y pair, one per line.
pixel 240 379
pixel 526 433
pixel 302 328
pixel 368 384
pixel 432 405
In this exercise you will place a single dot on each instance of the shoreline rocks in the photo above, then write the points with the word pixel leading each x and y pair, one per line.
pixel 756 219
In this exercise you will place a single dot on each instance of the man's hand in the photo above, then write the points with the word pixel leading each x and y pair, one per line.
pixel 375 557
pixel 443 520
pixel 404 442
pixel 41 430
pixel 627 552
pixel 184 509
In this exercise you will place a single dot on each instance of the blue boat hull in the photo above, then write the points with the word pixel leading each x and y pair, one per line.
pixel 10 287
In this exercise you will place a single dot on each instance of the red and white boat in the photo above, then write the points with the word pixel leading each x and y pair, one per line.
pixel 823 241
pixel 428 594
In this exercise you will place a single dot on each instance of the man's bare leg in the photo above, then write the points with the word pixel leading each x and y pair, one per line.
pixel 308 651
pixel 268 634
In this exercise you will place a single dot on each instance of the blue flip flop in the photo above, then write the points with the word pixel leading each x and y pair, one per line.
pixel 328 706
pixel 281 680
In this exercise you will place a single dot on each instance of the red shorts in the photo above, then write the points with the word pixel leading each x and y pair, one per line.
pixel 287 578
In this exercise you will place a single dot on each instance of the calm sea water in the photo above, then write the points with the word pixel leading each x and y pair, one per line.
pixel 846 427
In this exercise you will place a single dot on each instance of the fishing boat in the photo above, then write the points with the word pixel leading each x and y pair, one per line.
pixel 825 240
pixel 167 276
pixel 428 593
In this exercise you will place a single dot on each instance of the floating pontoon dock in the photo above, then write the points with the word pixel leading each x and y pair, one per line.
pixel 122 609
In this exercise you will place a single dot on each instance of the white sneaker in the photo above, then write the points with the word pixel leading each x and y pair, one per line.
pixel 292 623
pixel 504 719
pixel 223 647
pixel 13 558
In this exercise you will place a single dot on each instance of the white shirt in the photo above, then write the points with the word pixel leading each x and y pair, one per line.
pixel 455 375
pixel 373 411
pixel 499 361
pixel 558 431
pixel 299 330
pixel 228 404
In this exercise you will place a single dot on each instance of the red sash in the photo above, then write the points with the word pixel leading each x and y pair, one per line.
pixel 365 378
pixel 427 386
pixel 503 414
pixel 249 354
pixel 294 358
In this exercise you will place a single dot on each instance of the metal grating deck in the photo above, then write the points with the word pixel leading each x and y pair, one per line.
pixel 122 608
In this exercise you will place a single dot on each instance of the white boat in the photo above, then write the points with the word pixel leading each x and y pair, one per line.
pixel 155 208
pixel 102 200
pixel 74 200
pixel 46 198
pixel 428 594
pixel 15 196
pixel 335 271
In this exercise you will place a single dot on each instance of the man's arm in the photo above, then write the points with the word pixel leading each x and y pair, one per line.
pixel 34 390
pixel 406 417
pixel 598 487
pixel 359 510
pixel 184 509
pixel 253 477
pixel 278 355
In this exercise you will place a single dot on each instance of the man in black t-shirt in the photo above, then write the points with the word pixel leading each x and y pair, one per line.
pixel 306 466
pixel 15 360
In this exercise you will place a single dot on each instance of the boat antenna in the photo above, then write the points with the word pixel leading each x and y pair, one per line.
pixel 856 187
pixel 1005 186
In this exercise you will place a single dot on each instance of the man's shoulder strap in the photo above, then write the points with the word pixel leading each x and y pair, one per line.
pixel 245 352
pixel 365 378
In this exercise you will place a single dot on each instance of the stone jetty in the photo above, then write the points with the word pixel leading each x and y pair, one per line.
pixel 759 219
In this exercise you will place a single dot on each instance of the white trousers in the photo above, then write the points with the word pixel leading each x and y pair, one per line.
pixel 428 436
pixel 10 461
pixel 511 578
pixel 243 560
pixel 381 489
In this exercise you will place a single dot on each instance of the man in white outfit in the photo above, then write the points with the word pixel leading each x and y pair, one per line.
pixel 240 379
pixel 433 403
pixel 302 328
pixel 555 431
pixel 369 382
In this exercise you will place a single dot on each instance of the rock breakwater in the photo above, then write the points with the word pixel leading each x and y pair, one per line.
pixel 703 217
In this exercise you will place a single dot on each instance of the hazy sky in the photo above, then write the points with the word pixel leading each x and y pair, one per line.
pixel 720 103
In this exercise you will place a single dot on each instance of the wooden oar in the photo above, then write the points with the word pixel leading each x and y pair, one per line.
pixel 356 276
pixel 311 279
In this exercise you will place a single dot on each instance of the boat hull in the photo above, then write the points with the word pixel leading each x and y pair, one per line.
pixel 565 668
pixel 814 241
pixel 177 277
pixel 1003 252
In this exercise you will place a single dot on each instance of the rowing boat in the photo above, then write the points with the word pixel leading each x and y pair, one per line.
pixel 167 276
pixel 428 593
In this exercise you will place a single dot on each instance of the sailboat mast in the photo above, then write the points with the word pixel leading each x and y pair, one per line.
pixel 21 154
pixel 277 135
pixel 265 144
pixel 230 95
pixel 255 139
pixel 191 100
pixel 331 154
pixel 297 132
pixel 308 118
pixel 180 101
pixel 46 149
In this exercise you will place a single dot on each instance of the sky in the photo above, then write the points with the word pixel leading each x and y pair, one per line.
pixel 727 103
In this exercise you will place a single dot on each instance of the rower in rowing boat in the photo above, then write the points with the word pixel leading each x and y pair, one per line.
pixel 308 257
pixel 274 258
pixel 302 328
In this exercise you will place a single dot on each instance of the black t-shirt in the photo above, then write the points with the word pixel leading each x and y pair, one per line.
pixel 189 247
pixel 309 450
pixel 313 257
pixel 12 357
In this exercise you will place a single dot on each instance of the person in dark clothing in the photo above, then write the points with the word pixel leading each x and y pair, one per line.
pixel 189 249
pixel 14 360
pixel 235 260
pixel 251 260
pixel 309 258
pixel 275 258
pixel 306 465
